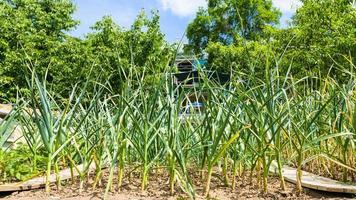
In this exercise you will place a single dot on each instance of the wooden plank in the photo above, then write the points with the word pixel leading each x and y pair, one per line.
pixel 315 182
pixel 5 109
pixel 40 182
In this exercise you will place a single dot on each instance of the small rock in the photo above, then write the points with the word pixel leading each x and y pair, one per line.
pixel 284 194
pixel 131 187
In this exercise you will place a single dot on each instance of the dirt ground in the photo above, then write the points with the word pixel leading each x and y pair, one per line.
pixel 159 189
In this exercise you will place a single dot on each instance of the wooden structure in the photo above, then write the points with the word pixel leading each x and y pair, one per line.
pixel 189 81
pixel 40 182
pixel 5 109
pixel 16 136
pixel 315 182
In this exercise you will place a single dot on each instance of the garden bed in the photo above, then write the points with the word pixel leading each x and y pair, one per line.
pixel 159 189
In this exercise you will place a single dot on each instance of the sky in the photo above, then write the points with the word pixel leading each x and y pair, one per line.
pixel 175 15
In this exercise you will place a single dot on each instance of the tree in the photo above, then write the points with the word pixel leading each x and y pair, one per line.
pixel 252 57
pixel 34 35
pixel 32 32
pixel 118 51
pixel 322 40
pixel 226 21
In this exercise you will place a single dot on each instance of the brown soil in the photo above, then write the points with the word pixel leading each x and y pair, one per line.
pixel 159 189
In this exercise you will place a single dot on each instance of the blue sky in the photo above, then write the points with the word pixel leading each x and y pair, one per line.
pixel 175 14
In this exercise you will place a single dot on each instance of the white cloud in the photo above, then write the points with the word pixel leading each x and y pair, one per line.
pixel 287 5
pixel 183 8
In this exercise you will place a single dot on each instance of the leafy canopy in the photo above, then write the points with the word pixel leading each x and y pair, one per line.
pixel 32 33
pixel 35 34
pixel 322 39
pixel 226 21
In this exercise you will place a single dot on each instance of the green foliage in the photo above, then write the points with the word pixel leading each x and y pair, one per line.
pixel 227 21
pixel 139 122
pixel 250 124
pixel 32 31
pixel 117 51
pixel 322 39
pixel 35 35
pixel 18 164
pixel 250 57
